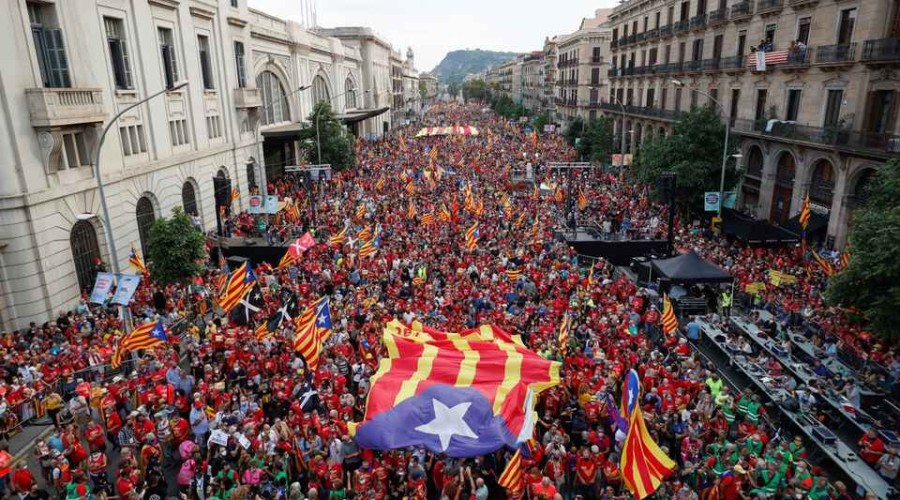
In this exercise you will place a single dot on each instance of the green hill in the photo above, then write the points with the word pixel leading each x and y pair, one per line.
pixel 459 63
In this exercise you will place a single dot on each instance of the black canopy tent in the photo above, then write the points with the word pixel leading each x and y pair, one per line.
pixel 690 269
pixel 755 231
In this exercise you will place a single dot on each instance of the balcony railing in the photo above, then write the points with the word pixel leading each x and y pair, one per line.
pixel 614 43
pixel 640 37
pixel 596 60
pixel 880 51
pixel 665 31
pixel 676 68
pixel 665 114
pixel 640 71
pixel 698 22
pixel 631 39
pixel 741 10
pixel 692 66
pixel 54 107
pixel 835 137
pixel 623 41
pixel 798 59
pixel 653 34
pixel 680 27
pixel 613 72
pixel 768 6
pixel 711 64
pixel 732 63
pixel 842 53
pixel 717 17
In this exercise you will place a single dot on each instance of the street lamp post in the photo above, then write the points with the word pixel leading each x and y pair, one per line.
pixel 679 83
pixel 622 106
pixel 259 143
pixel 318 142
pixel 107 226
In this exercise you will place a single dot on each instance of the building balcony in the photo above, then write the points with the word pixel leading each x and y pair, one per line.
pixel 58 107
pixel 732 64
pixel 886 50
pixel 623 41
pixel 680 27
pixel 693 66
pixel 802 4
pixel 841 54
pixel 831 137
pixel 640 70
pixel 642 111
pixel 640 37
pixel 711 65
pixel 613 73
pixel 614 43
pixel 665 31
pixel 742 11
pixel 245 98
pixel 769 7
pixel 652 35
pixel 631 39
pixel 797 61
pixel 677 68
pixel 698 22
pixel 717 17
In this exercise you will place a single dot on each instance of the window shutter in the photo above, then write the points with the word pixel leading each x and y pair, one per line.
pixel 126 64
pixel 59 64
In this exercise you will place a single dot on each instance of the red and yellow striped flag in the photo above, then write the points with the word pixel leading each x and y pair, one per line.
pixel 235 194
pixel 444 215
pixel 379 184
pixel 513 274
pixel 582 200
pixel 145 336
pixel 239 284
pixel 513 477
pixel 433 154
pixel 428 219
pixel 845 258
pixel 411 211
pixel 559 195
pixel 339 238
pixel 137 261
pixel 643 463
pixel 262 332
pixel 368 249
pixel 472 236
pixel 563 338
pixel 668 319
pixel 365 234
pixel 824 264
pixel 311 330
pixel 805 213
pixel 411 187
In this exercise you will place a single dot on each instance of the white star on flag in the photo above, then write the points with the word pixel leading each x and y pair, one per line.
pixel 448 422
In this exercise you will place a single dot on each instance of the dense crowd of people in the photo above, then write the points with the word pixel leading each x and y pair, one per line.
pixel 227 412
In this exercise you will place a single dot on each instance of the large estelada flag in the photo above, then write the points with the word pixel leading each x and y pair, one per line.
pixel 145 336
pixel 463 394
pixel 643 464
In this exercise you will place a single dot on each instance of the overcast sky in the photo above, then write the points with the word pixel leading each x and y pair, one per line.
pixel 433 28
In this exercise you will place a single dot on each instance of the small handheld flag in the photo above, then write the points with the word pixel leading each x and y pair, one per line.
pixel 669 321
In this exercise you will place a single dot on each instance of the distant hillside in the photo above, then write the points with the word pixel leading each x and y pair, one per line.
pixel 459 63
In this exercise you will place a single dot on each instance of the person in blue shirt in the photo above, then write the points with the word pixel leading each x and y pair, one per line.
pixel 693 329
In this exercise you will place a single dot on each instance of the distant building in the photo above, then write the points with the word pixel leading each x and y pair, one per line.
pixel 71 66
pixel 817 119
pixel 582 57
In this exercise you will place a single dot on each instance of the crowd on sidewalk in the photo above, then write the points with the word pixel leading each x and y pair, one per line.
pixel 234 413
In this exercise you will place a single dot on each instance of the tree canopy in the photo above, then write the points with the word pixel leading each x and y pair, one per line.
pixel 594 139
pixel 504 106
pixel 474 89
pixel 336 142
pixel 871 283
pixel 176 249
pixel 693 152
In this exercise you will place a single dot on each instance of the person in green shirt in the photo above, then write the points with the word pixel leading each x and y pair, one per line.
pixel 821 490
pixel 714 382
pixel 768 480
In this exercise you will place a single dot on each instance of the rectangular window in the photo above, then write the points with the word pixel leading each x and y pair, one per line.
pixel 803 25
pixel 694 95
pixel 742 42
pixel 651 97
pixel 234 3
pixel 717 47
pixel 214 127
pixel 239 64
pixel 681 51
pixel 668 57
pixel 167 52
pixel 48 46
pixel 205 62
pixel 770 33
pixel 178 132
pixel 761 96
pixel 845 30
pixel 698 50
pixel 833 103
pixel 118 53
pixel 132 137
pixel 75 149
pixel 652 57
pixel 663 98
pixel 677 98
pixel 793 105
pixel 595 76
pixel 735 100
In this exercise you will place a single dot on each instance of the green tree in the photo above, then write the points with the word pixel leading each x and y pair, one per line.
pixel 453 89
pixel 539 122
pixel 871 283
pixel 574 131
pixel 474 89
pixel 176 249
pixel 336 143
pixel 693 152
pixel 599 140
pixel 423 89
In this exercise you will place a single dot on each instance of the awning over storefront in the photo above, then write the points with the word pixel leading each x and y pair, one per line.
pixel 289 130
pixel 359 115
pixel 817 222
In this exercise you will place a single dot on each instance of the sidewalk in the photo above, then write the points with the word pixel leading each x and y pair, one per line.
pixel 22 443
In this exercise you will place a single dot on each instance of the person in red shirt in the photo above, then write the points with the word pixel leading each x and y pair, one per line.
pixel 545 488
pixel 586 475
pixel 871 447
pixel 22 479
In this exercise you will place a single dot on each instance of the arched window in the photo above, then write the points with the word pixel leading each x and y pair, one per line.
pixel 320 90
pixel 189 198
pixel 85 253
pixel 251 174
pixel 275 104
pixel 350 94
pixel 145 218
